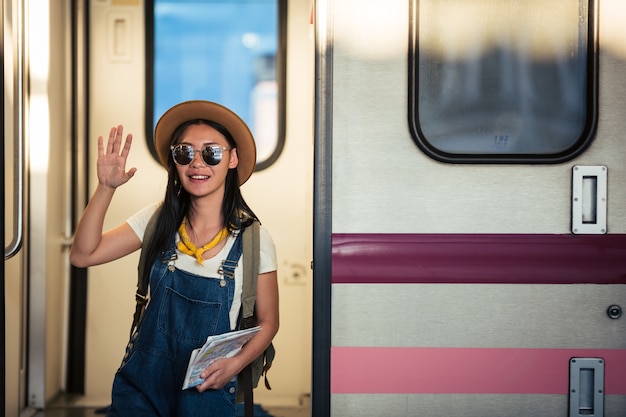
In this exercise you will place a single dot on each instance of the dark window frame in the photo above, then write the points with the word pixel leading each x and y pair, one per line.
pixel 281 80
pixel 573 151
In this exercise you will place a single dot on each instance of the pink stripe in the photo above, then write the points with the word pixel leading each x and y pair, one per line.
pixel 361 370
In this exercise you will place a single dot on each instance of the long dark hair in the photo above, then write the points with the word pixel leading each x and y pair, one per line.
pixel 235 211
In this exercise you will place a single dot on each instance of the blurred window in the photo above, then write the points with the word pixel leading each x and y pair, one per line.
pixel 502 81
pixel 227 51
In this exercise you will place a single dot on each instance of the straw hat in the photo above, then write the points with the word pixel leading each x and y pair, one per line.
pixel 207 110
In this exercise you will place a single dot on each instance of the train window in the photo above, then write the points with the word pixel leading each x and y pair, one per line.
pixel 230 52
pixel 502 81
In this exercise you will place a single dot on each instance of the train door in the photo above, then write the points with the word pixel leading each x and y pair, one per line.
pixel 13 298
pixel 280 193
pixel 470 209
pixel 37 182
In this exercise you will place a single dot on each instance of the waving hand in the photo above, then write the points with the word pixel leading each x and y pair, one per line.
pixel 112 162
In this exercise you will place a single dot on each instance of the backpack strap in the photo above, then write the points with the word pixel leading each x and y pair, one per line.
pixel 248 395
pixel 252 245
pixel 251 255
pixel 251 250
pixel 258 367
pixel 141 297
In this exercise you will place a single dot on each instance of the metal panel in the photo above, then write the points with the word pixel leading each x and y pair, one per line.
pixel 383 185
pixel 48 210
pixel 460 405
pixel 490 316
pixel 373 152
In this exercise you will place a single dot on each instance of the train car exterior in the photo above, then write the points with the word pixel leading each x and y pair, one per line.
pixel 461 269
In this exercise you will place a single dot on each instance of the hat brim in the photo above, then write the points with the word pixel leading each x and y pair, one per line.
pixel 207 110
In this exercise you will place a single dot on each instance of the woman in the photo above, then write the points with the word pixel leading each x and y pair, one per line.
pixel 208 152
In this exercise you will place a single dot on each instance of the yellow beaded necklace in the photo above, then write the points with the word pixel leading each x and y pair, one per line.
pixel 186 246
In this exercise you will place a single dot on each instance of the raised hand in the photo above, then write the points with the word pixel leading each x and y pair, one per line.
pixel 111 165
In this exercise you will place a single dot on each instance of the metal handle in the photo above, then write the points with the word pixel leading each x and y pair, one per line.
pixel 18 136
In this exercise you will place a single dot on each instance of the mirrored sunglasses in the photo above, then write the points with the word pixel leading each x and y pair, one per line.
pixel 184 154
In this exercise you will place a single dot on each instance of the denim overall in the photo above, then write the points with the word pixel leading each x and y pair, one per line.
pixel 183 310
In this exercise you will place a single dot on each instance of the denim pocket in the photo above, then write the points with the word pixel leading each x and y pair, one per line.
pixel 186 319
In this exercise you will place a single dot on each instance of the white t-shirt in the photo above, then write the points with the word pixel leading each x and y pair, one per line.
pixel 267 260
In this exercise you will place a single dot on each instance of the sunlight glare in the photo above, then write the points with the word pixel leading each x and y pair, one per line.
pixel 38 72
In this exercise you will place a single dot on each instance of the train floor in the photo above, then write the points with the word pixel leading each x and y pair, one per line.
pixel 91 412
pixel 66 407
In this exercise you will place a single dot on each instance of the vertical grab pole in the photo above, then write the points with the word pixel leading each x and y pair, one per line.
pixel 18 130
pixel 2 286
pixel 322 211
pixel 17 39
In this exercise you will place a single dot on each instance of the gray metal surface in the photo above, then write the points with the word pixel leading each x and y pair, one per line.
pixel 461 405
pixel 455 315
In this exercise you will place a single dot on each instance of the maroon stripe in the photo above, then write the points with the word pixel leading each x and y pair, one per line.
pixel 488 258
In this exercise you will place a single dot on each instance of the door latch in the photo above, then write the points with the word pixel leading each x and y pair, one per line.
pixel 586 387
pixel 589 199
